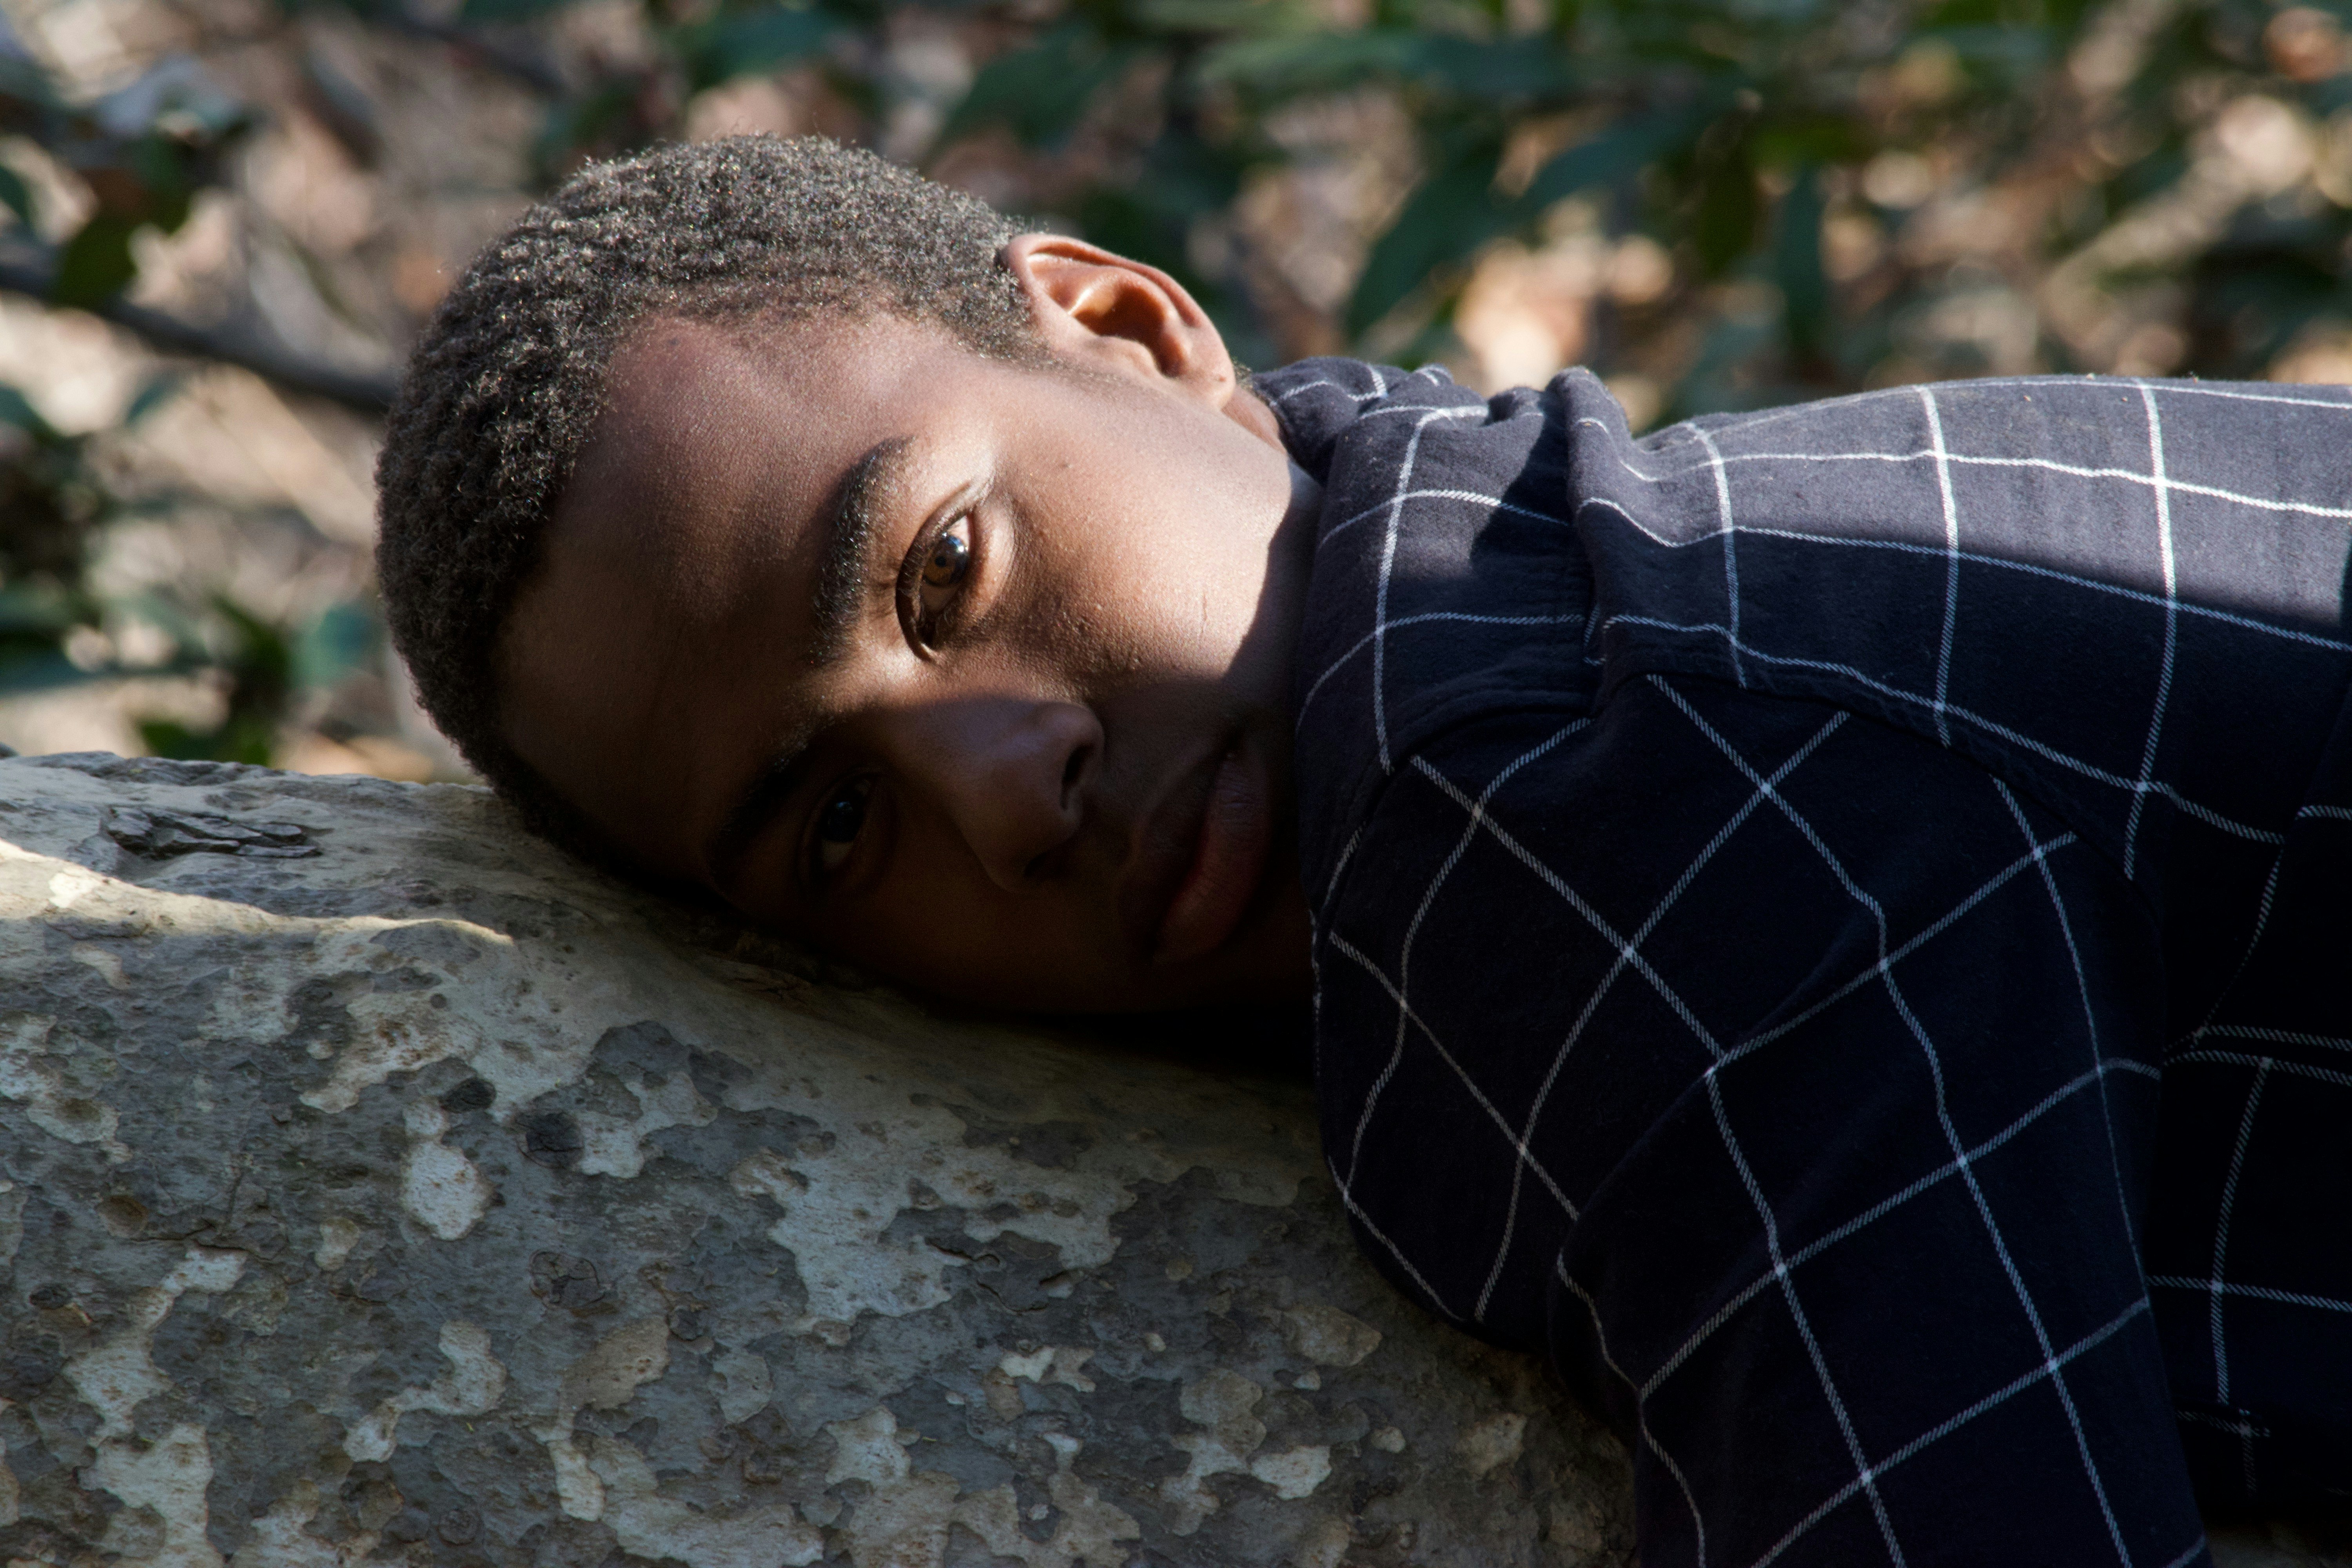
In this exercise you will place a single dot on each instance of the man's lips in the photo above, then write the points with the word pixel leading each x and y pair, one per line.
pixel 1207 852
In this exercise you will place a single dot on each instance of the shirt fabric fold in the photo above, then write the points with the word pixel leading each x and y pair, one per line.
pixel 1831 924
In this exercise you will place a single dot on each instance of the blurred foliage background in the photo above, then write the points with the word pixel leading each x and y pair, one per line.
pixel 220 221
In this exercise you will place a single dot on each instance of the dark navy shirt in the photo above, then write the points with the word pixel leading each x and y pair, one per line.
pixel 1835 925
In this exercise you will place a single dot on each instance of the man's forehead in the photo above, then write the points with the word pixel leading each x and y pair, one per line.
pixel 671 525
pixel 691 523
pixel 695 417
pixel 670 374
pixel 709 427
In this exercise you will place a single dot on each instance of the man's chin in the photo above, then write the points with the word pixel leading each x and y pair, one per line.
pixel 1265 963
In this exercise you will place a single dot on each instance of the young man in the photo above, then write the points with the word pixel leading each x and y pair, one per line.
pixel 1828 923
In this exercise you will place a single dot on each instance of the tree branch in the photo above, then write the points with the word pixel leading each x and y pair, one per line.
pixel 27 272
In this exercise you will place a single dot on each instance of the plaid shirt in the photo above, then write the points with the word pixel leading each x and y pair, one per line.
pixel 1832 924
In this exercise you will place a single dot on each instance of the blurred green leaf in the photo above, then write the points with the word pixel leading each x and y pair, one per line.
pixel 1247 17
pixel 1273 67
pixel 601 122
pixel 259 659
pixel 345 639
pixel 1810 139
pixel 34 621
pixel 96 264
pixel 238 740
pixel 1615 155
pixel 47 610
pixel 1496 73
pixel 1727 207
pixel 1327 62
pixel 745 42
pixel 1039 92
pixel 477 12
pixel 2008 52
pixel 1449 216
pixel 34 665
pixel 163 167
pixel 25 91
pixel 16 410
pixel 1797 267
pixel 159 390
pixel 16 196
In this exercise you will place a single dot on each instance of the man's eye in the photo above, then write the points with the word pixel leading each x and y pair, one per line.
pixel 946 564
pixel 838 823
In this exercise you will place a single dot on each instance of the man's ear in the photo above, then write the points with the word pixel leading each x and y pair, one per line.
pixel 1099 308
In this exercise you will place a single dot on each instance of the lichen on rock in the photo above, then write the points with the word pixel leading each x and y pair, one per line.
pixel 378 1186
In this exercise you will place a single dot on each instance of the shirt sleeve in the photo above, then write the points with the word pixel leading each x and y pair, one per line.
pixel 1791 1082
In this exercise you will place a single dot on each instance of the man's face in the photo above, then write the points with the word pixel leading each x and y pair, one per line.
pixel 973 673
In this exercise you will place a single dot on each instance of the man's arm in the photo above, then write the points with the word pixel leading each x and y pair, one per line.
pixel 1792 1080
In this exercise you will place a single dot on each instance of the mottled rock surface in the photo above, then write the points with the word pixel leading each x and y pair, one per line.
pixel 377 1186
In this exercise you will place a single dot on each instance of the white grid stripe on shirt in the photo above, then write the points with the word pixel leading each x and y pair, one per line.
pixel 1478 1094
pixel 2295 507
pixel 1997 1397
pixel 1388 568
pixel 1730 547
pixel 1361 642
pixel 1641 1406
pixel 2172 625
pixel 1880 1210
pixel 1617 965
pixel 2025 568
pixel 2221 1254
pixel 1865 1475
pixel 1869 973
pixel 2269 1036
pixel 2254 1292
pixel 1387 1244
pixel 1952 565
pixel 1943 1110
pixel 2082 989
pixel 2246 958
pixel 2204 814
pixel 1592 916
pixel 2070 452
pixel 2058 383
pixel 2239 1059
pixel 1492 503
pixel 1404 957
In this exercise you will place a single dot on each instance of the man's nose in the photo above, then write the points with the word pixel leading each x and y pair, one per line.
pixel 1012 776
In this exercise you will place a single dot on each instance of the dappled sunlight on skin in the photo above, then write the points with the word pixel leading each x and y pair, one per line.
pixel 975 673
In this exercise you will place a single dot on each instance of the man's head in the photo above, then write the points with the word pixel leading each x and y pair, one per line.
pixel 775 522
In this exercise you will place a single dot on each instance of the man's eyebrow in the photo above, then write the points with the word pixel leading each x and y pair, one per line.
pixel 757 806
pixel 849 521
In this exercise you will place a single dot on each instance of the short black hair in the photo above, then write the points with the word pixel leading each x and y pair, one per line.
pixel 510 373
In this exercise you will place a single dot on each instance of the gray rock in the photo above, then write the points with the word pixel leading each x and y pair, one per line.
pixel 378 1186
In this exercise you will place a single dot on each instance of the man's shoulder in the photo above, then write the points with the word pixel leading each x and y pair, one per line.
pixel 1445 581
